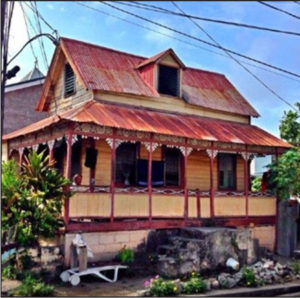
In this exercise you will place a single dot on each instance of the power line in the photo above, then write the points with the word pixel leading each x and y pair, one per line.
pixel 41 42
pixel 43 19
pixel 279 9
pixel 167 11
pixel 238 62
pixel 201 40
pixel 27 29
pixel 183 41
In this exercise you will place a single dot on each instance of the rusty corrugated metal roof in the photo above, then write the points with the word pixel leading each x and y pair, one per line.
pixel 109 70
pixel 138 119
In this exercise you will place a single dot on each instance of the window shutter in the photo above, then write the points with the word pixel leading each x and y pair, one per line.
pixel 69 80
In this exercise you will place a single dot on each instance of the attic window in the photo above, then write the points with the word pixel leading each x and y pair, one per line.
pixel 69 80
pixel 168 80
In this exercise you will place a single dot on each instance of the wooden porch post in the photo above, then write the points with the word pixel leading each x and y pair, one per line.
pixel 51 150
pixel 212 153
pixel 150 155
pixel 186 195
pixel 92 170
pixel 246 181
pixel 21 152
pixel 277 208
pixel 113 174
pixel 68 171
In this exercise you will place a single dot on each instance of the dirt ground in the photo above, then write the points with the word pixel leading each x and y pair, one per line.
pixel 92 286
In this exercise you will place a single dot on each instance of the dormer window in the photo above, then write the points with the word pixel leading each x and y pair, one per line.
pixel 168 80
pixel 69 80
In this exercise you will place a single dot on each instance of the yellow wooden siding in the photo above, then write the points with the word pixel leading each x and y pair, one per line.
pixel 205 207
pixel 131 205
pixel 59 102
pixel 262 206
pixel 170 61
pixel 230 206
pixel 192 207
pixel 168 206
pixel 103 166
pixel 4 146
pixel 239 173
pixel 89 204
pixel 156 154
pixel 169 104
pixel 198 166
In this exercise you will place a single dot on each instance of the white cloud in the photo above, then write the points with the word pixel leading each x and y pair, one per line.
pixel 50 6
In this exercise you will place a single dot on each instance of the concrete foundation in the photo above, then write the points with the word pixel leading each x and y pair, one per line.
pixel 106 245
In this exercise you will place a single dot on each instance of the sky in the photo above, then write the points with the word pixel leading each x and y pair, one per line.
pixel 78 22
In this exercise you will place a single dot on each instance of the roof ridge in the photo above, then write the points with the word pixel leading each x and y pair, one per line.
pixel 103 47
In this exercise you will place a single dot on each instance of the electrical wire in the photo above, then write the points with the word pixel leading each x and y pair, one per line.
pixel 41 42
pixel 238 62
pixel 27 29
pixel 43 19
pixel 183 41
pixel 279 9
pixel 200 40
pixel 170 12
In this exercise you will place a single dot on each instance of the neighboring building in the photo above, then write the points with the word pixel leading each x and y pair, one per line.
pixel 158 145
pixel 20 101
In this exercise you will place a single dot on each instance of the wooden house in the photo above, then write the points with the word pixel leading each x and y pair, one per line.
pixel 158 144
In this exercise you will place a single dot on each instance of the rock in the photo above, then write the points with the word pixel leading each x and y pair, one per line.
pixel 143 293
pixel 226 281
pixel 215 284
pixel 268 264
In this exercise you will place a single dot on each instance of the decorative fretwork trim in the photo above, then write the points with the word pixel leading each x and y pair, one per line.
pixel 212 153
pixel 147 146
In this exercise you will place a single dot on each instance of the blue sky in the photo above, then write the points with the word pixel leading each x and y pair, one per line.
pixel 74 21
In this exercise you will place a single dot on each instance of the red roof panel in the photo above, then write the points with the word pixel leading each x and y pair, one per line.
pixel 113 71
pixel 163 123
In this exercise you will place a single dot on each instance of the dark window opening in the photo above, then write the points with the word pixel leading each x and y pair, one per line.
pixel 227 171
pixel 43 148
pixel 59 151
pixel 157 172
pixel 172 158
pixel 126 160
pixel 76 158
pixel 168 81
pixel 69 80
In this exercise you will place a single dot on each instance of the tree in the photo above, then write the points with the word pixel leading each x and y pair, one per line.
pixel 286 171
pixel 33 200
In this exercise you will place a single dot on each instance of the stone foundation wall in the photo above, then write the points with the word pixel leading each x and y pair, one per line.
pixel 105 245
pixel 265 235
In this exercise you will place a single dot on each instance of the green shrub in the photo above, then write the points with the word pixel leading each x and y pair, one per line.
pixel 249 277
pixel 9 272
pixel 126 255
pixel 194 285
pixel 161 287
pixel 296 267
pixel 33 287
pixel 256 184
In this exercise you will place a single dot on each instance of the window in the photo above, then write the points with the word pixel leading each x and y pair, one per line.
pixel 76 158
pixel 227 170
pixel 172 166
pixel 168 81
pixel 69 80
pixel 126 164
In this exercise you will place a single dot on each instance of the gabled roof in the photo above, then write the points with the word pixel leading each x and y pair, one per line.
pixel 32 75
pixel 109 70
pixel 158 57
pixel 138 119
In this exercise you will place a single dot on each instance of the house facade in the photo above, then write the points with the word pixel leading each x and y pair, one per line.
pixel 157 144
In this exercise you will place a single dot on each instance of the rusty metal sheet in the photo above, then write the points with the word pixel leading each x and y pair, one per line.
pixel 139 119
pixel 114 71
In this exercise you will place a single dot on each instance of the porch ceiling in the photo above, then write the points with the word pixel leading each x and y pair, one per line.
pixel 159 122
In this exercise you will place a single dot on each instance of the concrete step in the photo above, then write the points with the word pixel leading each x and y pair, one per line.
pixel 165 248
pixel 185 239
